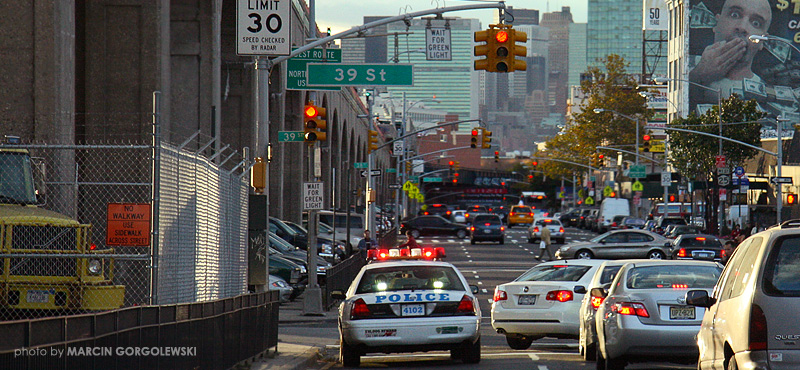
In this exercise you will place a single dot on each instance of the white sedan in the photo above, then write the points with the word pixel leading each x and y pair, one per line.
pixel 409 305
pixel 542 302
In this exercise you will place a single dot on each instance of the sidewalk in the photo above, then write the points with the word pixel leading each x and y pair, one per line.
pixel 297 356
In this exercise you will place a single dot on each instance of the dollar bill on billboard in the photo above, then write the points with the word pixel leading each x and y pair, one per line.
pixel 754 87
pixel 701 17
pixel 780 49
pixel 784 93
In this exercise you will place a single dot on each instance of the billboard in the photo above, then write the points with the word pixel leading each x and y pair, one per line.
pixel 656 15
pixel 721 57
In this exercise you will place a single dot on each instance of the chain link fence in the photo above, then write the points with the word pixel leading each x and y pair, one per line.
pixel 82 229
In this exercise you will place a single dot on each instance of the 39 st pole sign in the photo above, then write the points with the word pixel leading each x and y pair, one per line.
pixel 262 27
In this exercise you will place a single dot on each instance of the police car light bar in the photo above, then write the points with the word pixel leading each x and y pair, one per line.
pixel 425 253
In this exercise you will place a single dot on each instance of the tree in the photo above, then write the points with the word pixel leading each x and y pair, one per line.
pixel 693 155
pixel 611 89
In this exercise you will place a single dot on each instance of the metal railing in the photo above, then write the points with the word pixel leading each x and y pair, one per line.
pixel 204 335
pixel 340 277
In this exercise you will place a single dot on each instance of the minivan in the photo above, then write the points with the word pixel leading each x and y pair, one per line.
pixel 357 224
pixel 750 319
pixel 610 208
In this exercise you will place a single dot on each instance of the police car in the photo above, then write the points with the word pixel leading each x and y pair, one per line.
pixel 408 300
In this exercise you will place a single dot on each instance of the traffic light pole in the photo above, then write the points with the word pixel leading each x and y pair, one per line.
pixel 370 181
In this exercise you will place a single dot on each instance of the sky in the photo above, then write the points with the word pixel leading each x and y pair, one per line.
pixel 341 15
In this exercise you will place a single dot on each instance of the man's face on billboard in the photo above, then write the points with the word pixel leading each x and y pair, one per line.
pixel 742 18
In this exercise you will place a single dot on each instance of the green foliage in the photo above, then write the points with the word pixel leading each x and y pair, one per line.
pixel 694 155
pixel 611 89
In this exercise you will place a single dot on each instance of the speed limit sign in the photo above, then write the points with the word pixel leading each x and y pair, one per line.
pixel 262 27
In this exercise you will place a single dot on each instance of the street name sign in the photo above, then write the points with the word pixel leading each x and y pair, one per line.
pixel 391 170
pixel 373 173
pixel 284 136
pixel 781 180
pixel 360 165
pixel 296 67
pixel 637 171
pixel 312 195
pixel 262 27
pixel 432 179
pixel 330 74
pixel 394 186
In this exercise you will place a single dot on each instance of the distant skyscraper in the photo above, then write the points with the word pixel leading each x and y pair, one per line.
pixel 558 59
pixel 520 16
pixel 366 49
pixel 577 53
pixel 454 83
pixel 615 27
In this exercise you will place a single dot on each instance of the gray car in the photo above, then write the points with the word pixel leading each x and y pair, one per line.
pixel 587 342
pixel 644 316
pixel 277 283
pixel 619 244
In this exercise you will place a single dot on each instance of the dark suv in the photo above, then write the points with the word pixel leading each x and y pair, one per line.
pixel 438 209
pixel 487 227
pixel 433 225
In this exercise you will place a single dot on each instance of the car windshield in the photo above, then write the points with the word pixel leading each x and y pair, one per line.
pixel 600 237
pixel 279 244
pixel 554 273
pixel 412 278
pixel 672 277
pixel 783 268
pixel 609 273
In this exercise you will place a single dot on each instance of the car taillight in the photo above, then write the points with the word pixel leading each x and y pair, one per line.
pixel 502 228
pixel 536 229
pixel 499 295
pixel 561 229
pixel 466 305
pixel 559 295
pixel 448 213
pixel 758 329
pixel 511 213
pixel 472 228
pixel 359 310
pixel 425 213
pixel 682 252
pixel 613 224
pixel 530 214
pixel 466 215
pixel 596 302
pixel 486 224
pixel 631 308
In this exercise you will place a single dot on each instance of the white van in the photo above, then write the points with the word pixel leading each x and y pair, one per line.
pixel 339 225
pixel 609 208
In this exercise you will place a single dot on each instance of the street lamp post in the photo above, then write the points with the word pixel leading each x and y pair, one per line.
pixel 636 122
pixel 661 80
pixel 779 124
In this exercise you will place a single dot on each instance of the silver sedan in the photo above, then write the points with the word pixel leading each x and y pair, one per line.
pixel 619 244
pixel 644 315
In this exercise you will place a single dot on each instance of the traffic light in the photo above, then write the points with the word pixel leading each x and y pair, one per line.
pixel 534 164
pixel 372 144
pixel 487 139
pixel 791 199
pixel 314 123
pixel 500 49
pixel 672 198
pixel 600 160
pixel 473 142
pixel 258 175
pixel 530 178
pixel 646 145
pixel 496 156
pixel 451 164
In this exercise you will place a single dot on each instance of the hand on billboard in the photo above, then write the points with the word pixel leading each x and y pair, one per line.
pixel 717 60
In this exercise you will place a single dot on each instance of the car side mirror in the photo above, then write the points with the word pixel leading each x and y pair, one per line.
pixel 474 289
pixel 699 298
pixel 603 241
pixel 580 289
pixel 338 294
pixel 599 292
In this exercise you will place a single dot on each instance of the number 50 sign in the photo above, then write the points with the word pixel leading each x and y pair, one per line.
pixel 262 27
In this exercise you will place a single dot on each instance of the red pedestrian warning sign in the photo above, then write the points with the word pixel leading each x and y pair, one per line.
pixel 128 224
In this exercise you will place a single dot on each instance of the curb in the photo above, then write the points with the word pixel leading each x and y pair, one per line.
pixel 299 357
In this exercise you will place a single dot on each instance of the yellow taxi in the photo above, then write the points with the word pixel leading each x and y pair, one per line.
pixel 520 215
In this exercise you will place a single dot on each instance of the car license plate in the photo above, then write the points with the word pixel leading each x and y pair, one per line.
pixel 413 310
pixel 487 231
pixel 703 255
pixel 526 300
pixel 681 313
pixel 37 296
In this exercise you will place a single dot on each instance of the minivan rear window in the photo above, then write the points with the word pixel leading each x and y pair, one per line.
pixel 782 274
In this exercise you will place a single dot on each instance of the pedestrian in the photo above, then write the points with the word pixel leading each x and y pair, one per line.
pixel 410 241
pixel 544 245
pixel 756 228
pixel 735 232
pixel 727 251
pixel 365 244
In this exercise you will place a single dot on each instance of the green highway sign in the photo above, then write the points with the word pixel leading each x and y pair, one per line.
pixel 432 179
pixel 360 165
pixel 391 170
pixel 328 74
pixel 638 171
pixel 296 67
pixel 291 136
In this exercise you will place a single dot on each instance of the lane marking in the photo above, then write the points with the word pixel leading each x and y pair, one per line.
pixel 483 290
pixel 533 357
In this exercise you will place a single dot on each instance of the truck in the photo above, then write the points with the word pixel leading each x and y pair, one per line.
pixel 49 263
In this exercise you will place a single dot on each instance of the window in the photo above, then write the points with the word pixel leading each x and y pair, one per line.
pixel 783 268
pixel 608 274
pixel 491 220
pixel 639 238
pixel 616 238
pixel 409 278
pixel 735 267
pixel 554 273
pixel 670 277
